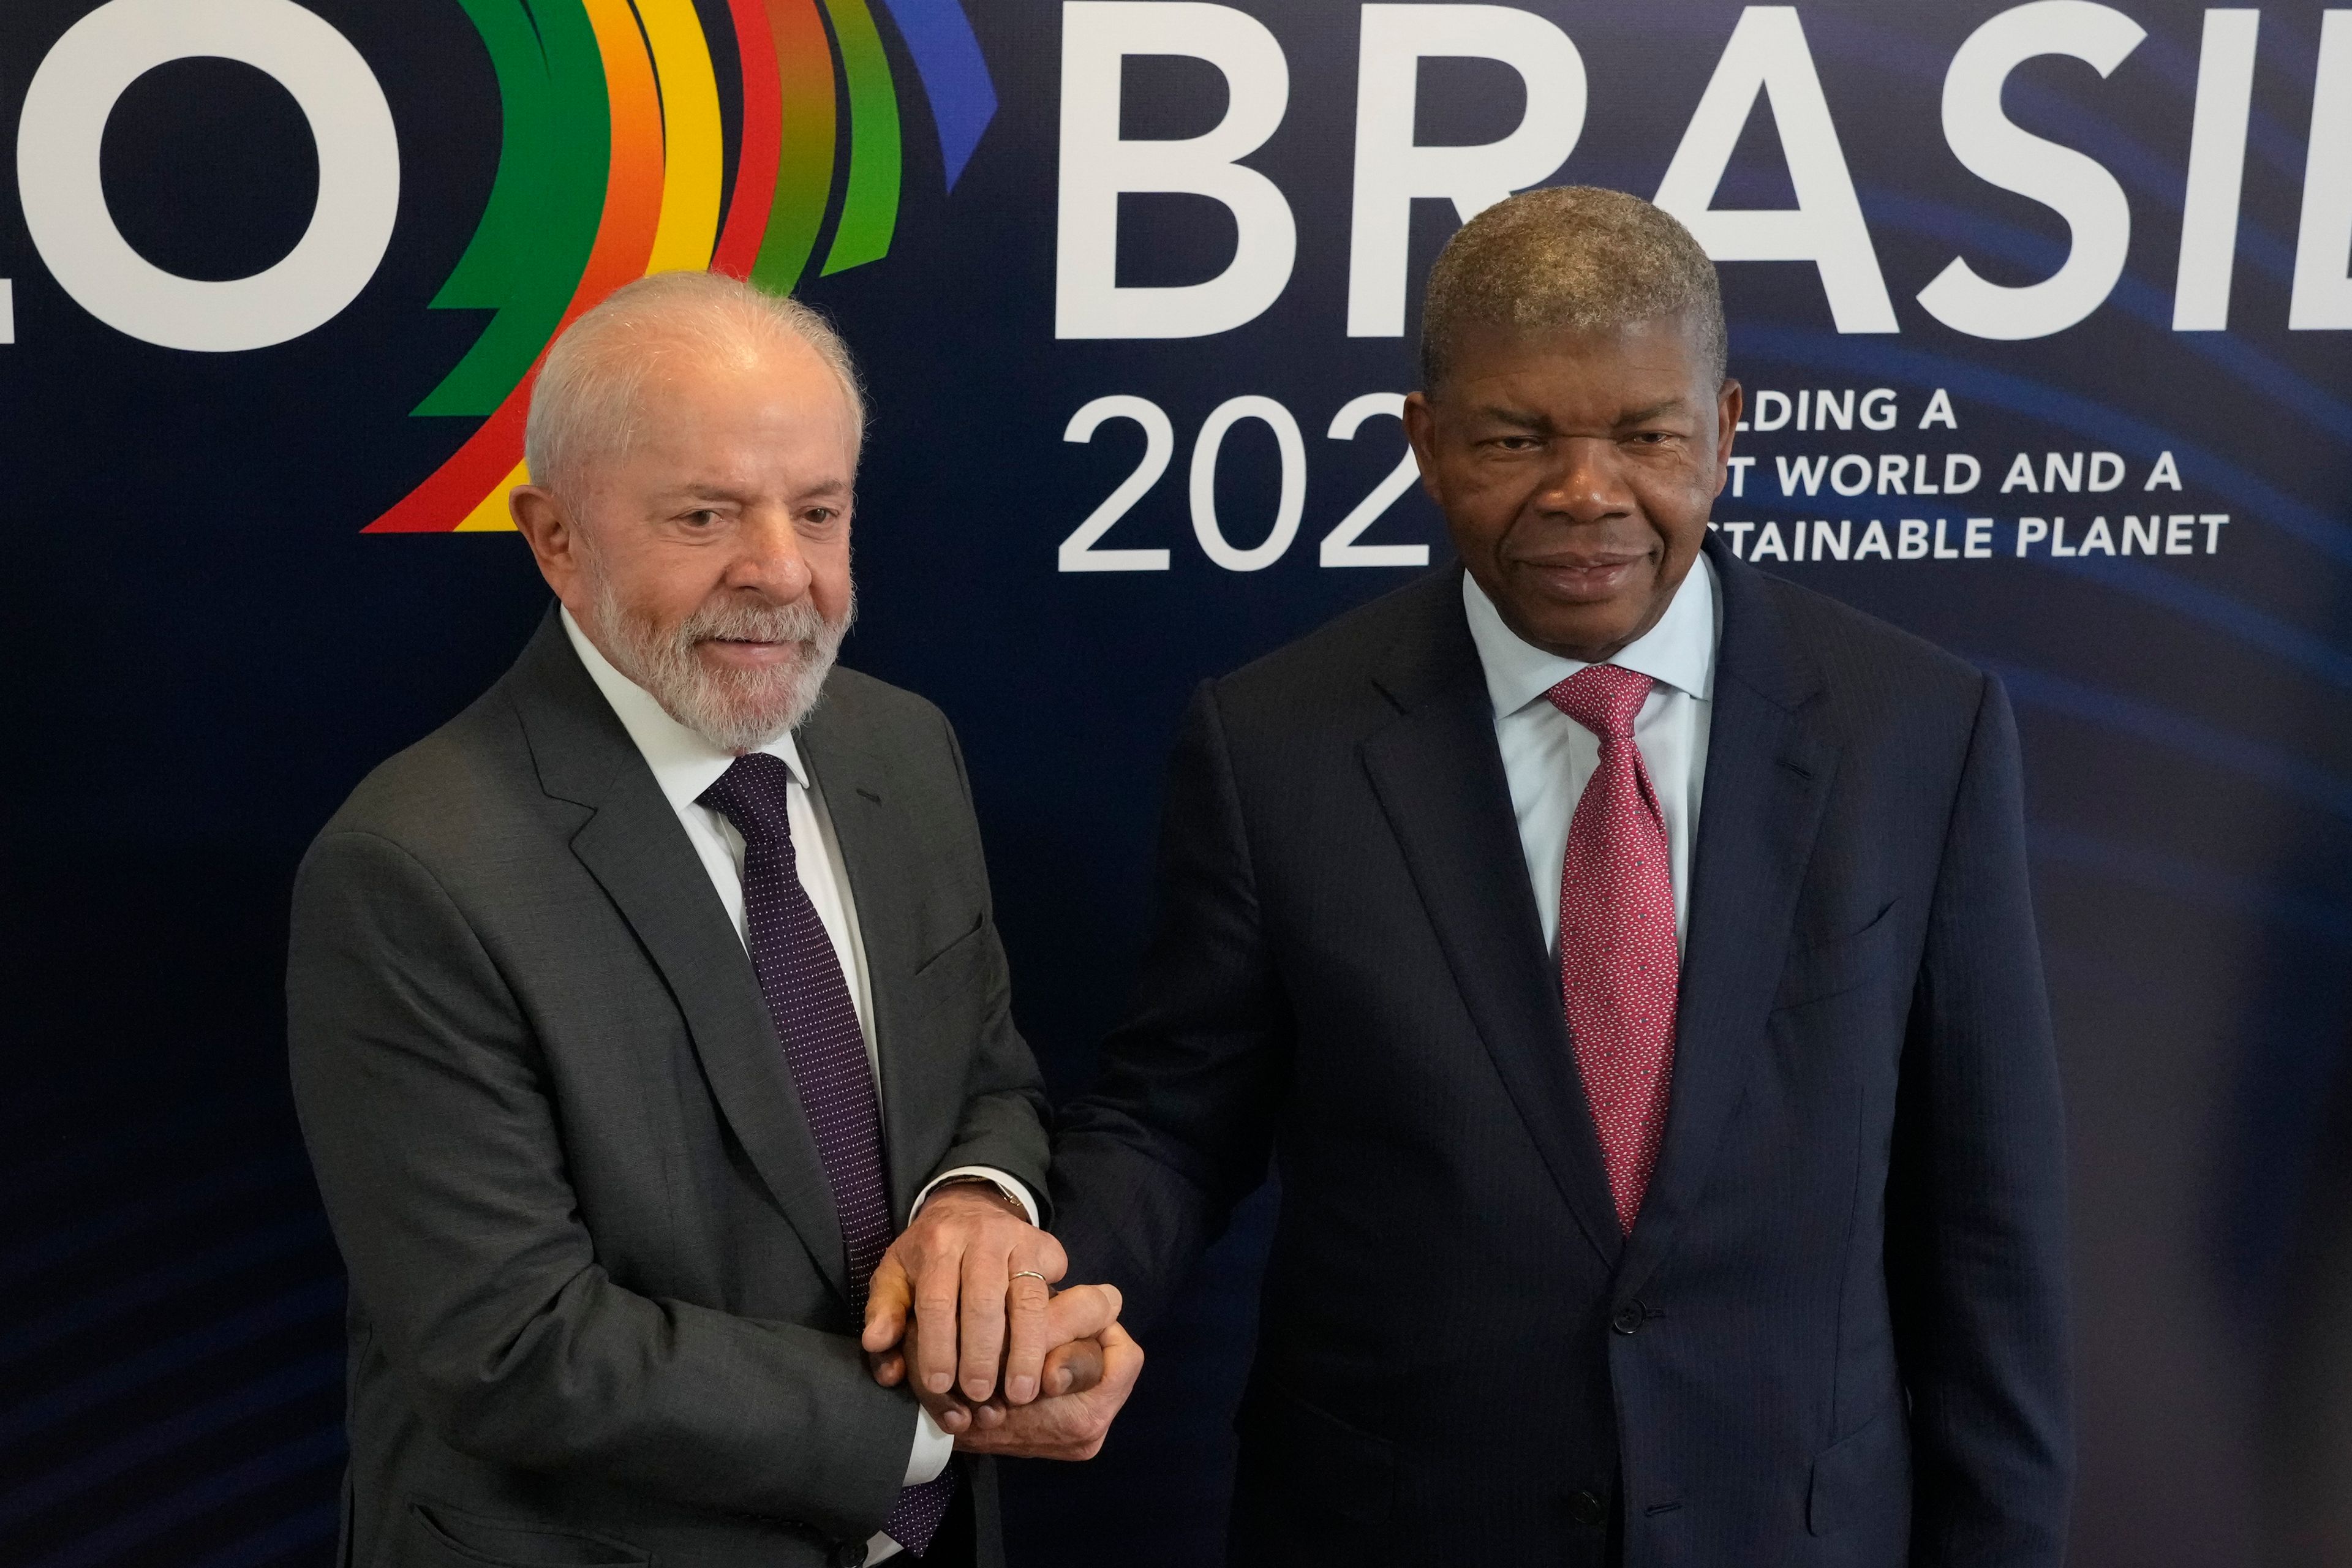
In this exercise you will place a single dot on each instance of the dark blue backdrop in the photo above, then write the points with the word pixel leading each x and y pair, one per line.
pixel 204 654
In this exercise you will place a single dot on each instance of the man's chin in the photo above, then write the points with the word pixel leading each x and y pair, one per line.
pixel 1589 633
pixel 740 709
pixel 739 726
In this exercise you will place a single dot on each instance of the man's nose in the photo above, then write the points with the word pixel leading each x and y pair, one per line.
pixel 769 557
pixel 1588 484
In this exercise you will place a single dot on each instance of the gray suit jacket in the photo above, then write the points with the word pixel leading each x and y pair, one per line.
pixel 599 1311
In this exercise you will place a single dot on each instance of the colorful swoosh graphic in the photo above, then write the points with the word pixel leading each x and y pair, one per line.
pixel 612 166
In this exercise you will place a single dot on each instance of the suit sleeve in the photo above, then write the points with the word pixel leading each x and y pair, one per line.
pixel 1976 1216
pixel 1180 1126
pixel 427 1106
pixel 1003 1127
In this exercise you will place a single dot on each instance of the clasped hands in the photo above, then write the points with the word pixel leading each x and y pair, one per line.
pixel 962 1310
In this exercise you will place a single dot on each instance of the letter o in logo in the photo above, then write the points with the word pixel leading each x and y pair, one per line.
pixel 64 123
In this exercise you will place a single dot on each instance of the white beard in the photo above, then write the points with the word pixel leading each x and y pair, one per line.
pixel 735 709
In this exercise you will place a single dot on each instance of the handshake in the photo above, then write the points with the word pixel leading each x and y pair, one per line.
pixel 963 1311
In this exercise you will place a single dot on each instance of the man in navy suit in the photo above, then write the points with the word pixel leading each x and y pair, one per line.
pixel 1627 960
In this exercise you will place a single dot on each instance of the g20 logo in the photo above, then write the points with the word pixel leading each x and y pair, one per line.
pixel 611 166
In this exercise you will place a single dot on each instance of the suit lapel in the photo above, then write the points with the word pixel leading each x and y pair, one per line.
pixel 634 847
pixel 1768 769
pixel 885 881
pixel 1440 780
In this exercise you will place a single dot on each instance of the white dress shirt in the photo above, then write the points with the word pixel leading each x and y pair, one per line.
pixel 1548 757
pixel 684 764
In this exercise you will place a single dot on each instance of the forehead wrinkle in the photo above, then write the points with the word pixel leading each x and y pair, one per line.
pixel 760 384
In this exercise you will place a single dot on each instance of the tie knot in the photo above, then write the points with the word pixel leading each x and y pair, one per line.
pixel 1603 698
pixel 751 794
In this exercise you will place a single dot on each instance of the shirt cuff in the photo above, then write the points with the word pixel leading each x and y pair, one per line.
pixel 1011 1186
pixel 934 1446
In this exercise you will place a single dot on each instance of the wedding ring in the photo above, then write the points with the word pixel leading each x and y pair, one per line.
pixel 1029 1274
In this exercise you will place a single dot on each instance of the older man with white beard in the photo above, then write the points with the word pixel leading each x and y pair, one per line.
pixel 650 1017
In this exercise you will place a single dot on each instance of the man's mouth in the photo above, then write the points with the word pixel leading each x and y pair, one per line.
pixel 752 651
pixel 1586 577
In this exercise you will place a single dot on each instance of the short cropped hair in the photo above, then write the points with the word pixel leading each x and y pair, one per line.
pixel 1568 257
pixel 585 405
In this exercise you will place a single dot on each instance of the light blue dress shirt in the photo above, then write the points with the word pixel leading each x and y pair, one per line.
pixel 1547 756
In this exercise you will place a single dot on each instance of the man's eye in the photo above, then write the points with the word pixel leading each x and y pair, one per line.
pixel 701 517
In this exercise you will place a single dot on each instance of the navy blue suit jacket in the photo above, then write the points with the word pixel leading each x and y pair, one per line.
pixel 1837 1333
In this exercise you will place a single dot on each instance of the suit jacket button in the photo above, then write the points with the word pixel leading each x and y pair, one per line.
pixel 1628 1320
pixel 848 1554
pixel 1586 1509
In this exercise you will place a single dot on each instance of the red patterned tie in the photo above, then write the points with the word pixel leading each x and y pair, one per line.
pixel 1618 968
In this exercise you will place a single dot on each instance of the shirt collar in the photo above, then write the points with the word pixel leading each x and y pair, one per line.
pixel 683 762
pixel 1679 651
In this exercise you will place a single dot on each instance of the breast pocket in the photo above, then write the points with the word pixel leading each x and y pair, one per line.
pixel 1841 964
pixel 956 973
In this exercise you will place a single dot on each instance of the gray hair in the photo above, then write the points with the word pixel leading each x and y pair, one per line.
pixel 1568 257
pixel 585 405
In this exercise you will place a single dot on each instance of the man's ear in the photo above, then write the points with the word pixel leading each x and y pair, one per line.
pixel 1730 404
pixel 1420 430
pixel 546 525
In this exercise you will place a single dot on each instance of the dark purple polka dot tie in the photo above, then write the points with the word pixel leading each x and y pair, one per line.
pixel 808 1001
